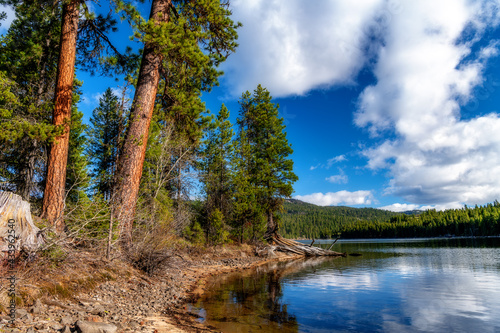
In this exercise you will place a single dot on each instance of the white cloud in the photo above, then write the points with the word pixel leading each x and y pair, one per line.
pixel 337 198
pixel 329 163
pixel 428 58
pixel 293 46
pixel 11 15
pixel 426 71
pixel 341 178
pixel 336 159
pixel 398 207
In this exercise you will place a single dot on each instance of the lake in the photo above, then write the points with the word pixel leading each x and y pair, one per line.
pixel 402 285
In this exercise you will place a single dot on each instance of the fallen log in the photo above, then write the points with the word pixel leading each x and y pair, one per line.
pixel 287 245
pixel 16 224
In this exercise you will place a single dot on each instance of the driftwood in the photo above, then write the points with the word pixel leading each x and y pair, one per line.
pixel 16 224
pixel 286 245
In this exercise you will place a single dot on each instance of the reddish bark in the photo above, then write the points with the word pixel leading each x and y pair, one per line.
pixel 131 160
pixel 54 195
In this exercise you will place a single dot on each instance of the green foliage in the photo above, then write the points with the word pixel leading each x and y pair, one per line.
pixel 195 234
pixel 104 140
pixel 77 178
pixel 7 99
pixel 89 219
pixel 28 59
pixel 28 53
pixel 264 153
pixel 197 38
pixel 247 221
pixel 217 233
pixel 215 171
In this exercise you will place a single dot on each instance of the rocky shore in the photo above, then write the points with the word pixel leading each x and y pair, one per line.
pixel 135 303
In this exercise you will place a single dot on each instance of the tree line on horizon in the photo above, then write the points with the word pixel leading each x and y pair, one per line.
pixel 128 174
pixel 302 220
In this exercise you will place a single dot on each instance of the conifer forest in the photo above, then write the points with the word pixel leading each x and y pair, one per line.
pixel 127 177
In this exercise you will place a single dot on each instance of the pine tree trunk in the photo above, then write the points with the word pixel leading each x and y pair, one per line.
pixel 54 195
pixel 131 160
pixel 28 172
pixel 271 227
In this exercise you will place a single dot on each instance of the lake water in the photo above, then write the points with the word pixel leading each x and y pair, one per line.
pixel 445 285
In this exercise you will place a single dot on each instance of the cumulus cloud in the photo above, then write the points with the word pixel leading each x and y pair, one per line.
pixel 341 178
pixel 294 46
pixel 431 60
pixel 338 198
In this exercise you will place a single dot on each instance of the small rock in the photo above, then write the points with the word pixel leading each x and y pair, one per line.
pixel 67 320
pixel 21 313
pixel 94 319
pixel 91 327
pixel 57 326
pixel 98 310
pixel 37 307
pixel 30 330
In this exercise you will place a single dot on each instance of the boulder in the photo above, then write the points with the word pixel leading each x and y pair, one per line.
pixel 93 327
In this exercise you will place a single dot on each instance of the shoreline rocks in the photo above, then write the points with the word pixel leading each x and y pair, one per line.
pixel 134 304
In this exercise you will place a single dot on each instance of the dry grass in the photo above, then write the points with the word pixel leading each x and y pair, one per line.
pixel 62 273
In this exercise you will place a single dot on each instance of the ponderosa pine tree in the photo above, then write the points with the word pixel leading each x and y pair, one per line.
pixel 270 168
pixel 54 194
pixel 190 39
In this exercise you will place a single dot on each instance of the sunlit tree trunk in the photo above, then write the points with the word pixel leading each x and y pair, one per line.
pixel 131 160
pixel 53 198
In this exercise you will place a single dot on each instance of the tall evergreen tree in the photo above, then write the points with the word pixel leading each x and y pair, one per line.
pixel 189 38
pixel 54 194
pixel 215 166
pixel 216 173
pixel 77 178
pixel 247 214
pixel 271 169
pixel 104 138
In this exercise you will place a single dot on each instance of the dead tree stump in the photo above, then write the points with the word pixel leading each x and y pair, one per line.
pixel 16 223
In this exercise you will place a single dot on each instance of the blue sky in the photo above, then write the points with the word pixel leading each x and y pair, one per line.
pixel 388 103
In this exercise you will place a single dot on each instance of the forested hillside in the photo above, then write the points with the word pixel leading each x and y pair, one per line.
pixel 303 220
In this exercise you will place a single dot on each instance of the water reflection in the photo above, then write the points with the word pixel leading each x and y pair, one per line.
pixel 430 286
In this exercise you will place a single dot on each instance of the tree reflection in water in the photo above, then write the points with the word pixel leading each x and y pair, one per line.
pixel 253 301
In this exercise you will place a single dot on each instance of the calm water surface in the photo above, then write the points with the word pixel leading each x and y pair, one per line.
pixel 450 285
